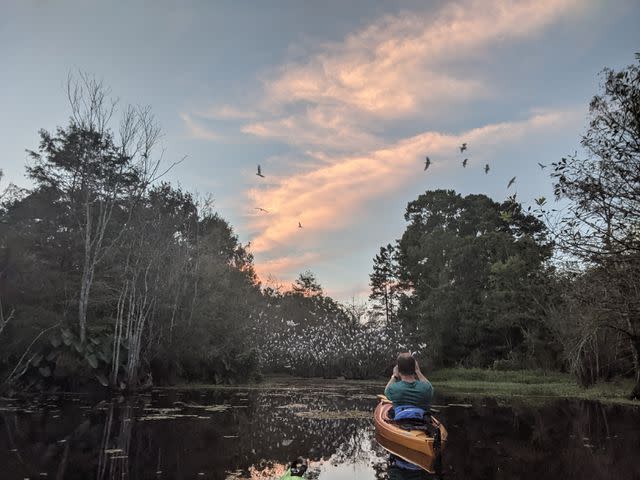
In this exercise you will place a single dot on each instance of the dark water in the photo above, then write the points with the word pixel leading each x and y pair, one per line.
pixel 253 432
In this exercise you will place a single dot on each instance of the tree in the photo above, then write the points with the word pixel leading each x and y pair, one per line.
pixel 307 285
pixel 154 282
pixel 602 226
pixel 94 176
pixel 384 282
pixel 467 264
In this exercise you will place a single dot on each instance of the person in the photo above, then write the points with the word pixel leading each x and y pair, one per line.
pixel 408 389
pixel 297 469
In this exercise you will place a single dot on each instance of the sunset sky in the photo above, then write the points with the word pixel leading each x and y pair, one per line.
pixel 339 101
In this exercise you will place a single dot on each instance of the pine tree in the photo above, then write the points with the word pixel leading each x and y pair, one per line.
pixel 384 282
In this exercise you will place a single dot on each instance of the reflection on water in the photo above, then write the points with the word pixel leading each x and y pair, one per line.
pixel 254 433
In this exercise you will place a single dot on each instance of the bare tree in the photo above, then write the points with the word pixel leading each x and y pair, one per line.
pixel 100 173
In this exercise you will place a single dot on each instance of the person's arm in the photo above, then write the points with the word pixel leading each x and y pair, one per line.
pixel 393 379
pixel 419 375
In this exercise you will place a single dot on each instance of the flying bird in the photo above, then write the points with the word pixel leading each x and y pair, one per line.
pixel 259 173
pixel 299 225
pixel 464 163
pixel 262 209
pixel 463 147
pixel 486 168
pixel 542 166
pixel 427 163
pixel 511 182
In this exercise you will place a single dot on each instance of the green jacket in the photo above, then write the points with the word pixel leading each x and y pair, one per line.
pixel 288 476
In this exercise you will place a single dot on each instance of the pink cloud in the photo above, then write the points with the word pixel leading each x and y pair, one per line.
pixel 397 65
pixel 285 269
pixel 329 196
pixel 334 106
pixel 227 112
pixel 196 130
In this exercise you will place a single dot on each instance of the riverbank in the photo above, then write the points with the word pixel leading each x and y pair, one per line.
pixel 529 386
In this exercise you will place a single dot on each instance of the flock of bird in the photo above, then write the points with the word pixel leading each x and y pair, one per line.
pixel 427 164
pixel 463 148
pixel 326 345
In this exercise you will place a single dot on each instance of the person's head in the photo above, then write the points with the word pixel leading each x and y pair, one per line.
pixel 406 364
pixel 298 467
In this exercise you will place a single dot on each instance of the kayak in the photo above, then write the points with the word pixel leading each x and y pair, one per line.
pixel 419 447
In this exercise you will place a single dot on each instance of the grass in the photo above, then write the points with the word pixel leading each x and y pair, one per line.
pixel 527 385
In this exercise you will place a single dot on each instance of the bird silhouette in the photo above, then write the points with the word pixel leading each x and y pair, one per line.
pixel 299 225
pixel 486 168
pixel 262 209
pixel 259 173
pixel 427 163
pixel 542 167
pixel 511 182
pixel 464 163
pixel 463 147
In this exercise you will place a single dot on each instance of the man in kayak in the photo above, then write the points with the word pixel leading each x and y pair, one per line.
pixel 408 389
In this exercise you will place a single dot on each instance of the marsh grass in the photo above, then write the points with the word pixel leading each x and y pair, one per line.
pixel 508 386
pixel 527 385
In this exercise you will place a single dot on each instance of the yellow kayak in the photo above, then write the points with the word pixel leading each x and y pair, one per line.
pixel 415 446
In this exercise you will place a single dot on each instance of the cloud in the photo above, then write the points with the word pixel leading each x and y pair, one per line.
pixel 399 66
pixel 409 64
pixel 341 108
pixel 285 268
pixel 325 128
pixel 227 112
pixel 329 196
pixel 196 130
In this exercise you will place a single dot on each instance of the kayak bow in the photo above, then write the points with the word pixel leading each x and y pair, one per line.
pixel 415 446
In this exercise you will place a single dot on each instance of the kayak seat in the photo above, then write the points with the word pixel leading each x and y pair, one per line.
pixel 409 417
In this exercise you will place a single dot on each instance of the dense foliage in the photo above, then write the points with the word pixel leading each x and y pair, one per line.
pixel 112 276
pixel 601 231
pixel 474 272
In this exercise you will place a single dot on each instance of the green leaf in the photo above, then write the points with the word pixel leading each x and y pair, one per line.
pixel 55 342
pixel 45 371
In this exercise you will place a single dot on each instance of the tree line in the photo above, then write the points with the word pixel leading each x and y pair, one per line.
pixel 110 275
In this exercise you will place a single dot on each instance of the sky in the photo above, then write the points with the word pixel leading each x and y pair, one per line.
pixel 339 102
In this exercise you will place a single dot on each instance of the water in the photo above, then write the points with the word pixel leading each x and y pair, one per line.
pixel 253 432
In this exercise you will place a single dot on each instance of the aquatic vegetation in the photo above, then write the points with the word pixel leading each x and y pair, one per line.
pixel 334 415
pixel 217 408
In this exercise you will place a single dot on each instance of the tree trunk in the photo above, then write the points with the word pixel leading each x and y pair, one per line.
pixel 386 304
pixel 635 348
